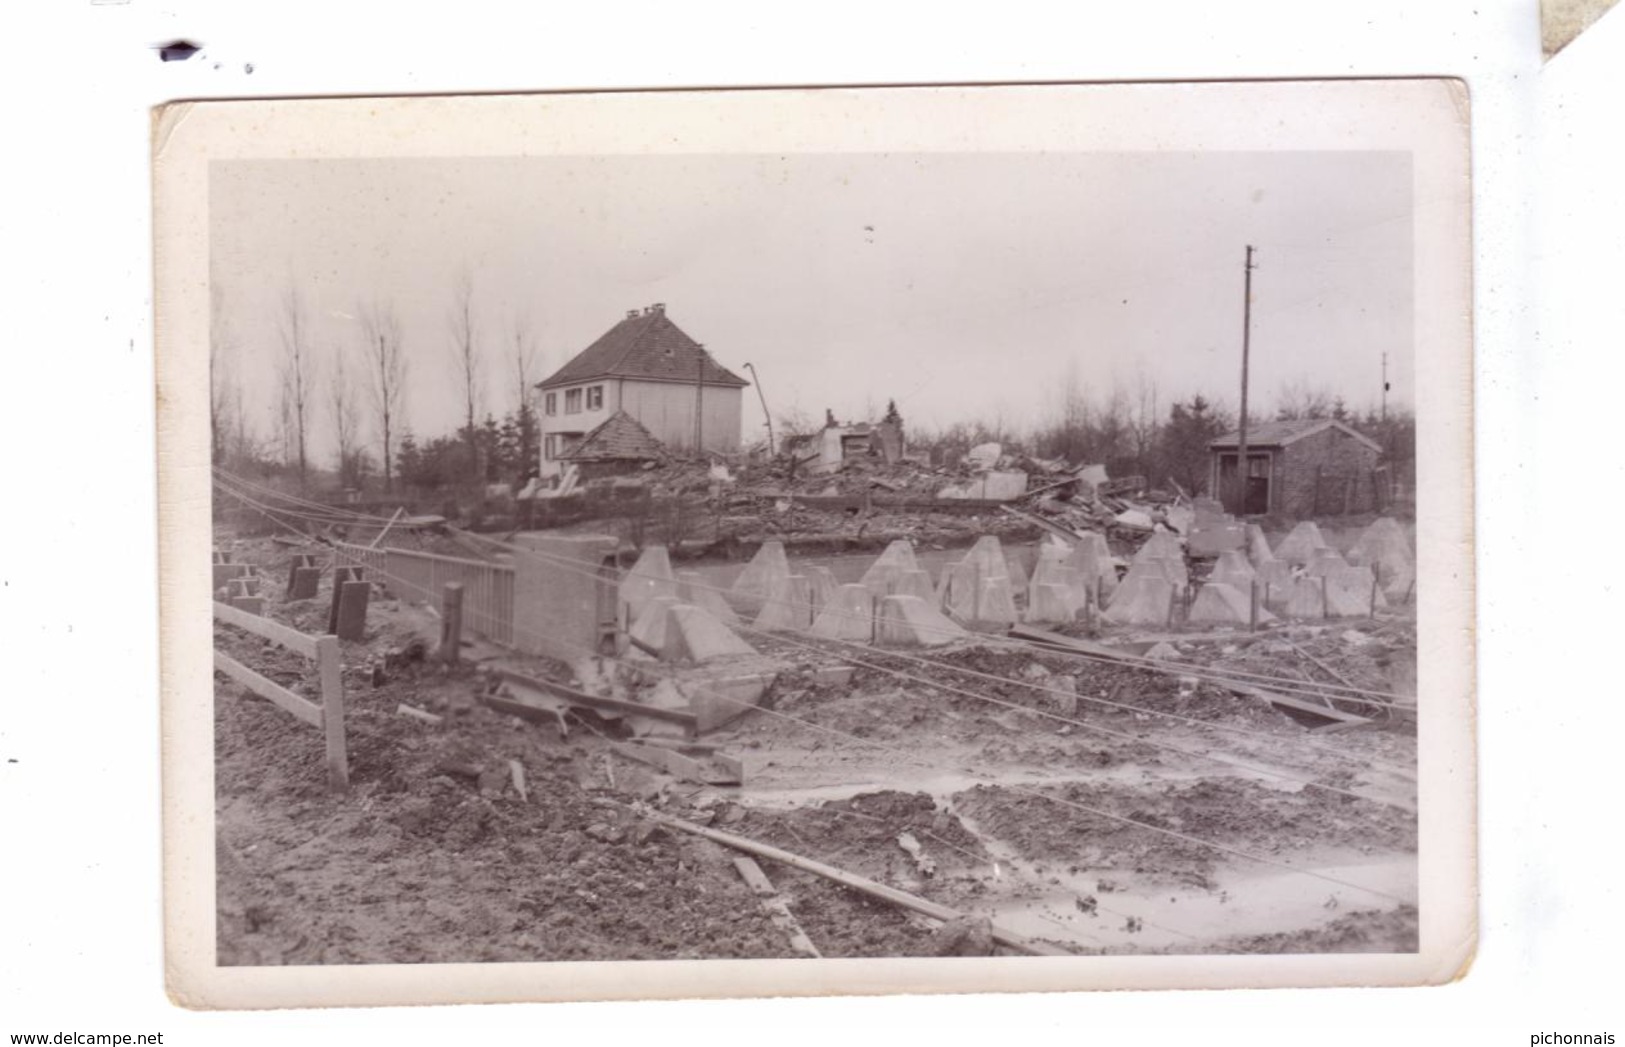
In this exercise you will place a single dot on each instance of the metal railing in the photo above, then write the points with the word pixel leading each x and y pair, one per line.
pixel 408 575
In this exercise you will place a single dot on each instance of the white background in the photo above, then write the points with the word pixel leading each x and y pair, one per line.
pixel 80 926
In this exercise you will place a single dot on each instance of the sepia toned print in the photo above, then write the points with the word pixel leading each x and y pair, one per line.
pixel 864 543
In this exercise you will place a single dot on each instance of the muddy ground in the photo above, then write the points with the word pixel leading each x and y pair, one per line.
pixel 992 780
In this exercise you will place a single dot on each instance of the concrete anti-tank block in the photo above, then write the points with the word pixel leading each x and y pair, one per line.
pixel 849 615
pixel 908 621
pixel 788 607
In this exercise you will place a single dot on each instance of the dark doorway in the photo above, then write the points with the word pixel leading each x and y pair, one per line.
pixel 1256 500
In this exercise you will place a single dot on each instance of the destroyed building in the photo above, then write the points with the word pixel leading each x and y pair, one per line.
pixel 827 449
pixel 648 368
pixel 1304 467
pixel 618 445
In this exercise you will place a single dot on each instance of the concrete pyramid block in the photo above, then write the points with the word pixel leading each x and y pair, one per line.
pixel 957 591
pixel 849 614
pixel 881 576
pixel 995 604
pixel 1055 572
pixel 908 621
pixel 1233 569
pixel 1306 599
pixel 1016 571
pixel 694 634
pixel 821 585
pixel 650 630
pixel 988 557
pixel 1094 566
pixel 692 587
pixel 1258 547
pixel 1353 592
pixel 1300 546
pixel 914 583
pixel 1048 602
pixel 649 577
pixel 767 568
pixel 1326 562
pixel 1162 543
pixel 788 606
pixel 1219 604
pixel 1146 600
pixel 1174 569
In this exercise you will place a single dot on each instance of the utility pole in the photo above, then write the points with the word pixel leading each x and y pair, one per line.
pixel 763 397
pixel 699 405
pixel 1385 388
pixel 1246 340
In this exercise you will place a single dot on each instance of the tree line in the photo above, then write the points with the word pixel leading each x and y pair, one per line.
pixel 1127 431
pixel 357 386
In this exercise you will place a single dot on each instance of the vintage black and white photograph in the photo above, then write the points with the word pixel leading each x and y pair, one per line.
pixel 876 541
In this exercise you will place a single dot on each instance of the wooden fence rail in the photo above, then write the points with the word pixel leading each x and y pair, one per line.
pixel 328 716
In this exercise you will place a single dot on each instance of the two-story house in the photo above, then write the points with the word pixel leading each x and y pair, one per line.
pixel 646 366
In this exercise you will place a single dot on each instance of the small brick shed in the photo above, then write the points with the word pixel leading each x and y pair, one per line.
pixel 1302 468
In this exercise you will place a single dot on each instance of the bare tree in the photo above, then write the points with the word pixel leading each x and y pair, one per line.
pixel 386 376
pixel 1296 399
pixel 525 361
pixel 298 379
pixel 1146 423
pixel 341 405
pixel 221 386
pixel 465 356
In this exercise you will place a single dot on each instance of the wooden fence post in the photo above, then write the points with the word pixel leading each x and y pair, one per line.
pixel 1252 606
pixel 329 670
pixel 451 621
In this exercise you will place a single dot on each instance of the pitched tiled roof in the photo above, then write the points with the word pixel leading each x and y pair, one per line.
pixel 1281 433
pixel 617 438
pixel 644 345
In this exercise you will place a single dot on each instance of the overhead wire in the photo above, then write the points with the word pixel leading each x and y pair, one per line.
pixel 1035 793
pixel 1033 685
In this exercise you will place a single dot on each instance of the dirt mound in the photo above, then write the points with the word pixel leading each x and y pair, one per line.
pixel 1230 812
pixel 1369 930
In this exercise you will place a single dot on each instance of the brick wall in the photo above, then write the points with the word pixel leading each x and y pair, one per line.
pixel 1329 454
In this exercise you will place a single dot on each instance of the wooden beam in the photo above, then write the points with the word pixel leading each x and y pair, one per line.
pixel 398 511
pixel 330 669
pixel 303 708
pixel 593 701
pixel 292 639
pixel 704 772
pixel 861 884
pixel 778 908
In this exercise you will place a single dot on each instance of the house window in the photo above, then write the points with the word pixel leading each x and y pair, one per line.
pixel 572 401
pixel 595 398
pixel 552 404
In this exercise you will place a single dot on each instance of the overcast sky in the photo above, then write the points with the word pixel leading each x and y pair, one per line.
pixel 966 286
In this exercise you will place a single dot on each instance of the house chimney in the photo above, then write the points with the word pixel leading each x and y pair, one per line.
pixel 631 314
pixel 658 308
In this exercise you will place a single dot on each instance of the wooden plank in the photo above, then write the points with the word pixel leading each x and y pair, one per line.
pixel 862 884
pixel 1048 525
pixel 276 632
pixel 1326 712
pixel 303 708
pixel 715 771
pixel 593 701
pixel 778 908
pixel 330 669
pixel 1073 643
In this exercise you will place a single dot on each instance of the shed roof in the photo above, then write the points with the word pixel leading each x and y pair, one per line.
pixel 618 438
pixel 644 345
pixel 1281 433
